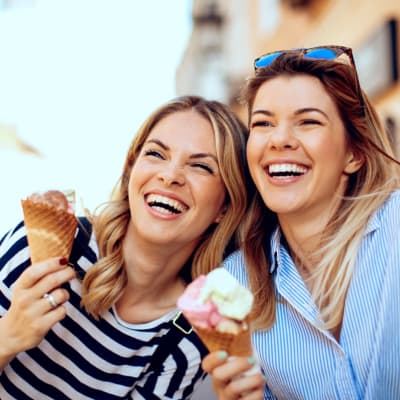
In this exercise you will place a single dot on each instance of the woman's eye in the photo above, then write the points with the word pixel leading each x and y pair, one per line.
pixel 310 122
pixel 153 153
pixel 261 124
pixel 204 167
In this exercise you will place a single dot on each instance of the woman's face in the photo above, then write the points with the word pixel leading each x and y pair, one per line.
pixel 175 189
pixel 297 150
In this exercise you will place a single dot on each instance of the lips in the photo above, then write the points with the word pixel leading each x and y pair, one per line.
pixel 165 205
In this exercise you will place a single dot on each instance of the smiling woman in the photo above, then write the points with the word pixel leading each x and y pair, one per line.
pixel 173 215
pixel 320 240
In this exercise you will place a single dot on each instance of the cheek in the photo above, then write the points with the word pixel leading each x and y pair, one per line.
pixel 213 199
pixel 253 151
pixel 329 150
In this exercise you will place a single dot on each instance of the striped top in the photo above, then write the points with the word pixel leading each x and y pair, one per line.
pixel 81 358
pixel 302 360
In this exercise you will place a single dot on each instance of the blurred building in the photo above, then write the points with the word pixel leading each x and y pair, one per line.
pixel 228 34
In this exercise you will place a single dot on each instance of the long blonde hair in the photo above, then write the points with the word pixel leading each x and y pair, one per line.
pixel 366 191
pixel 105 281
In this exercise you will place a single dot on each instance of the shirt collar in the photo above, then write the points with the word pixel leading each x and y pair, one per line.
pixel 276 238
pixel 275 245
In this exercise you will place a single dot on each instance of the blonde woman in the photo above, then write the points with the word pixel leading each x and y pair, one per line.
pixel 173 215
pixel 321 241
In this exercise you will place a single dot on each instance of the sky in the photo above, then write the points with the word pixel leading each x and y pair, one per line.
pixel 77 79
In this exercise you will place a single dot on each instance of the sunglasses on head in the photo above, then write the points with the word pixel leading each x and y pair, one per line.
pixel 331 53
pixel 339 53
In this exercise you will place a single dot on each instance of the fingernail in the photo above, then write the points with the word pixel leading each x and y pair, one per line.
pixel 222 355
pixel 63 261
pixel 251 360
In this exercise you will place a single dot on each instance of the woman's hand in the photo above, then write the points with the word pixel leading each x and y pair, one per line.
pixel 31 315
pixel 229 378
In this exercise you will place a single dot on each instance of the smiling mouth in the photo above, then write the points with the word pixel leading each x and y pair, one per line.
pixel 282 171
pixel 165 205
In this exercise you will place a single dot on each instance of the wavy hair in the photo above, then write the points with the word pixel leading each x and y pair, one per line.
pixel 366 191
pixel 105 281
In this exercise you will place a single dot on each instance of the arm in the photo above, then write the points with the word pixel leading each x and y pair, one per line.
pixel 229 378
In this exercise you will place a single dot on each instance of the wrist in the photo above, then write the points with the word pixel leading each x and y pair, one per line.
pixel 8 348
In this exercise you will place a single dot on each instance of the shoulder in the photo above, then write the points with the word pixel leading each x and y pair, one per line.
pixel 387 217
pixel 181 332
pixel 84 252
pixel 392 205
pixel 14 254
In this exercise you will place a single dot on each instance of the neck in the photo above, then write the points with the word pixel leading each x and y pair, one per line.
pixel 303 232
pixel 303 238
pixel 152 268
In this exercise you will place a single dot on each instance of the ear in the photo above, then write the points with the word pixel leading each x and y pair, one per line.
pixel 354 163
pixel 221 214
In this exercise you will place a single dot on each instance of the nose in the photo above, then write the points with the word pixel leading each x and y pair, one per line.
pixel 282 138
pixel 172 175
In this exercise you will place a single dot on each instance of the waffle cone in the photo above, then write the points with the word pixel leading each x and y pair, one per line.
pixel 234 344
pixel 50 231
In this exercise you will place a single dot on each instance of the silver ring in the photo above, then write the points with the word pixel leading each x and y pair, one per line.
pixel 50 299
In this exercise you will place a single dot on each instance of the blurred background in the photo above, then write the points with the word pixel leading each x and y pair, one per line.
pixel 78 77
pixel 228 34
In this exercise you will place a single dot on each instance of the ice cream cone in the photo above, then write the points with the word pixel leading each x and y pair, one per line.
pixel 50 231
pixel 234 344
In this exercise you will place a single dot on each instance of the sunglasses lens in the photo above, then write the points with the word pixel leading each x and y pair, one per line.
pixel 266 60
pixel 321 53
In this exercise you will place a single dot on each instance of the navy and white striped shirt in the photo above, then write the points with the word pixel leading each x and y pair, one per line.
pixel 300 359
pixel 81 358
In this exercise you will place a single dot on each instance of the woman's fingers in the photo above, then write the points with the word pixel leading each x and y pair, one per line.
pixel 213 360
pixel 234 367
pixel 246 387
pixel 41 279
pixel 53 299
pixel 234 377
pixel 38 271
pixel 54 280
pixel 36 304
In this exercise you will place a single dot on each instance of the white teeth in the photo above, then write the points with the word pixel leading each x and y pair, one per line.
pixel 156 201
pixel 162 210
pixel 286 168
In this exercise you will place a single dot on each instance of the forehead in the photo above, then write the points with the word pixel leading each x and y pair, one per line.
pixel 297 91
pixel 187 129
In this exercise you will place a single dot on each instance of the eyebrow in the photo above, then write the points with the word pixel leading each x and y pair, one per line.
pixel 297 112
pixel 311 109
pixel 192 156
pixel 263 112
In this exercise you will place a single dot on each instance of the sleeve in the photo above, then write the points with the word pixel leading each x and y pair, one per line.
pixel 14 258
pixel 179 376
pixel 384 365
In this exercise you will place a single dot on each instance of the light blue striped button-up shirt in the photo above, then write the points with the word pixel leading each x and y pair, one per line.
pixel 302 360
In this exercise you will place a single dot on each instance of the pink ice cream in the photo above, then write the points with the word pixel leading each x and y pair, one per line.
pixel 216 301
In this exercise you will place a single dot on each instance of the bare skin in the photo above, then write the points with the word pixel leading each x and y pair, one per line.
pixel 31 316
pixel 153 285
pixel 228 379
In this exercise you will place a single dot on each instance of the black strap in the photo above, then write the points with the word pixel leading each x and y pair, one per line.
pixel 180 328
